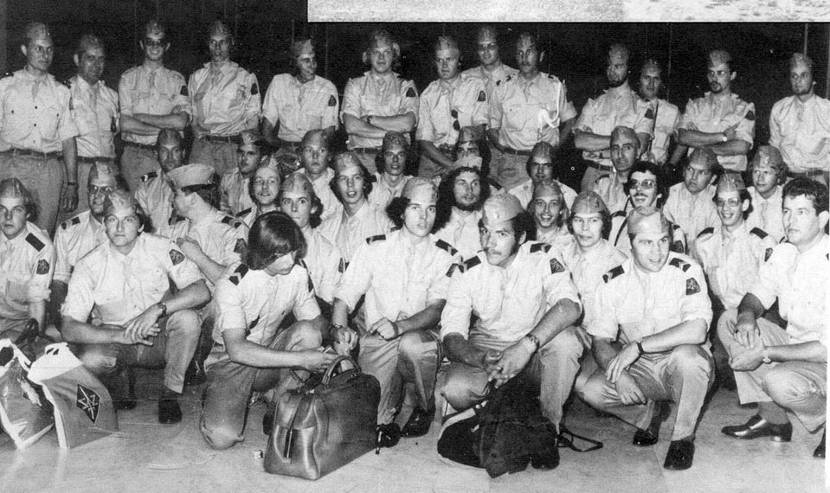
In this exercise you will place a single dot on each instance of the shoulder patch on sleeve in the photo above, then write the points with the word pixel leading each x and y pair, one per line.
pixel 176 257
pixel 706 231
pixel 482 97
pixel 680 264
pixel 760 233
pixel 443 245
pixel 332 101
pixel 556 267
pixel 42 267
pixel 750 115
pixel 183 90
pixel 35 242
pixel 410 93
pixel 470 263
pixel 649 114
pixel 245 212
pixel 767 254
pixel 375 238
pixel 227 220
pixel 149 176
pixel 539 247
pixel 692 287
pixel 452 270
pixel 677 247
pixel 611 274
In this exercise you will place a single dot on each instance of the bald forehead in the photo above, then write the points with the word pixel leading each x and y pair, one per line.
pixel 652 223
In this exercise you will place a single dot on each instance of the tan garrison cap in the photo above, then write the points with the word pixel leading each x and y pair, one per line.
pixel 191 174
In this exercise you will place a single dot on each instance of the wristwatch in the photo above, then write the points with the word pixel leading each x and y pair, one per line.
pixel 163 310
pixel 534 340
pixel 724 138
pixel 765 354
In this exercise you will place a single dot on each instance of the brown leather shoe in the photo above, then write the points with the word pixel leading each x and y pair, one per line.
pixel 759 427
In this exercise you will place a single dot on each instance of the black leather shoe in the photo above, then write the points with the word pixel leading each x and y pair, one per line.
pixel 818 453
pixel 680 455
pixel 388 435
pixel 418 424
pixel 759 427
pixel 645 438
pixel 195 374
pixel 169 410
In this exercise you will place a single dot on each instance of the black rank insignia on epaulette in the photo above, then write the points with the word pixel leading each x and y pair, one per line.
pixel 692 287
pixel 113 125
pixel 75 220
pixel 680 264
pixel 452 269
pixel 760 233
pixel 443 245
pixel 618 214
pixel 35 242
pixel 42 267
pixel 767 254
pixel 410 93
pixel 254 89
pixel 239 246
pixel 183 91
pixel 649 114
pixel 253 324
pixel 750 115
pixel 507 79
pixel 556 266
pixel 332 101
pixel 375 238
pixel 539 247
pixel 469 263
pixel 176 257
pixel 482 97
pixel 238 274
pixel 245 212
pixel 149 176
pixel 706 231
pixel 611 274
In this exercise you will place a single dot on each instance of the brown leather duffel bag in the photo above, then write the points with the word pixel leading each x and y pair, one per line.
pixel 324 425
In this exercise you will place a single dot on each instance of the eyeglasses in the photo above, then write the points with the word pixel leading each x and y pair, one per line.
pixel 154 43
pixel 93 190
pixel 645 184
pixel 732 203
pixel 455 125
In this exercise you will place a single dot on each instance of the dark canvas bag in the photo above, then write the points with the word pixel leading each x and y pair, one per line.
pixel 324 425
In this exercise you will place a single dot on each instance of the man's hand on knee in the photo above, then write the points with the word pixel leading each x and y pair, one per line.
pixel 630 393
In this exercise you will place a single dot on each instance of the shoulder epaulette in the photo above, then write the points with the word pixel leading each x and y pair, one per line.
pixel 231 221
pixel 611 274
pixel 149 176
pixel 35 242
pixel 618 214
pixel 239 273
pixel 706 231
pixel 760 233
pixel 470 263
pixel 71 222
pixel 375 238
pixel 443 245
pixel 245 212
pixel 539 247
pixel 680 264
pixel 493 183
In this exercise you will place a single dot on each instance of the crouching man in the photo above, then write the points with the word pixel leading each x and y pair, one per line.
pixel 250 353
pixel 648 333
pixel 124 284
pixel 526 307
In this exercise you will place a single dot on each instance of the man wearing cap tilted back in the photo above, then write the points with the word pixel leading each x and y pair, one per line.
pixel 768 173
pixel 152 98
pixel 786 370
pixel 234 189
pixel 224 101
pixel 404 276
pixel 625 147
pixel 720 120
pixel 550 213
pixel 648 333
pixel 37 131
pixel 124 284
pixel 526 307
pixel 539 168
pixel 154 194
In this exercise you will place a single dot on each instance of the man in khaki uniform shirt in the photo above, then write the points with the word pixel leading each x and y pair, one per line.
pixel 799 125
pixel 390 178
pixel 316 158
pixel 768 173
pixel 235 187
pixel 447 105
pixel 690 204
pixel 666 116
pixel 720 120
pixel 539 167
pixel 152 98
pixel 224 101
pixel 491 71
pixel 37 143
pixel 379 101
pixel 154 194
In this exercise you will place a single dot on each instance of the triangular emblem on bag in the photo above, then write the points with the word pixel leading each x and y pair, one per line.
pixel 88 402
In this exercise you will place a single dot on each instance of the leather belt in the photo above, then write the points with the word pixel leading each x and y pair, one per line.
pixel 515 152
pixel 227 139
pixel 146 147
pixel 596 165
pixel 93 160
pixel 366 150
pixel 32 153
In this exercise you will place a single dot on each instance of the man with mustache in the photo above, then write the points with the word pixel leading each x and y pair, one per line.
pixel 527 108
pixel 666 115
pixel 798 124
pixel 447 105
pixel 224 101
pixel 95 111
pixel 785 370
pixel 379 101
pixel 460 197
pixel 550 213
pixel 719 121
pixel 617 106
pixel 154 194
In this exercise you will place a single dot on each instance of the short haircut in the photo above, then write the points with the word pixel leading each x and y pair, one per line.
pixel 378 36
pixel 709 158
pixel 813 190
pixel 296 46
pixel 599 205
pixel 621 130
pixel 799 58
pixel 272 235
pixel 35 30
pixel 640 213
pixel 13 187
pixel 659 177
pixel 621 49
pixel 368 178
pixel 551 151
pixel 446 195
pixel 88 42
pixel 315 133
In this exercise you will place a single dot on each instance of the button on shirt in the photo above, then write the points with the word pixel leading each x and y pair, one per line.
pixel 348 233
pixel 491 79
pixel 95 111
pixel 259 302
pixel 387 95
pixel 300 107
pixel 715 114
pixel 638 304
pixel 399 279
pixel 35 113
pixel 615 107
pixel 508 302
pixel 382 192
pixel 156 92
pixel 766 213
pixel 461 231
pixel 116 288
pixel 588 268
pixel 524 192
pixel 801 131
pixel 233 190
pixel 324 263
pixel 27 262
pixel 323 191
pixel 731 261
pixel 73 239
pixel 693 213
pixel 800 282
pixel 526 112
pixel 224 101
pixel 155 196
pixel 666 117
pixel 464 95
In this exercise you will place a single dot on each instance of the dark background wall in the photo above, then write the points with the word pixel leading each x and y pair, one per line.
pixel 574 51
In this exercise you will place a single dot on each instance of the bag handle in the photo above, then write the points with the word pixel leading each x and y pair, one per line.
pixel 330 371
pixel 566 440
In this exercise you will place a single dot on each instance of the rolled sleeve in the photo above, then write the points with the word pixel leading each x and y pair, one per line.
pixel 695 304
pixel 306 307
pixel 425 130
pixel 228 299
pixel 586 119
pixel 567 111
pixel 455 318
pixel 357 278
pixel 351 100
pixel 79 297
pixel 409 103
pixel 604 321
pixel 440 284
pixel 270 104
